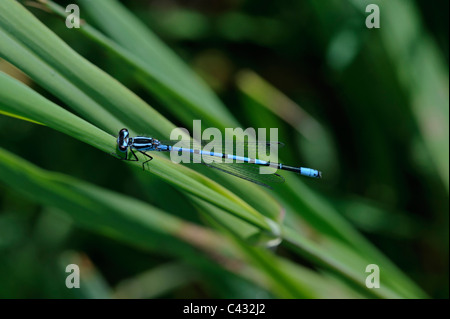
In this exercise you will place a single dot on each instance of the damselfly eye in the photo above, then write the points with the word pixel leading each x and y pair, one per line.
pixel 123 148
pixel 124 133
pixel 122 139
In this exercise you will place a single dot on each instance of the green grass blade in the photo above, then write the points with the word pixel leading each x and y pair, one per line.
pixel 333 244
pixel 343 262
pixel 17 54
pixel 18 99
pixel 99 86
pixel 315 209
pixel 149 72
pixel 158 61
pixel 113 214
pixel 19 117
pixel 284 277
pixel 147 227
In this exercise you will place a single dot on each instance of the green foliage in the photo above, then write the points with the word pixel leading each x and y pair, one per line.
pixel 185 228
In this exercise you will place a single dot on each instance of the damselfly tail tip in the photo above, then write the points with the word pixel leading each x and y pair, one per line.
pixel 309 172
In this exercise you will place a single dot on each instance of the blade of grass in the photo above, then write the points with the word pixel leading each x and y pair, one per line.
pixel 22 26
pixel 159 60
pixel 314 208
pixel 19 99
pixel 155 76
pixel 28 39
pixel 327 221
pixel 327 253
pixel 19 117
pixel 144 226
pixel 101 88
pixel 118 216
pixel 335 261
pixel 241 228
pixel 285 277
pixel 55 83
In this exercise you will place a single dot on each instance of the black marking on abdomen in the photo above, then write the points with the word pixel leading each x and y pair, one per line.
pixel 140 147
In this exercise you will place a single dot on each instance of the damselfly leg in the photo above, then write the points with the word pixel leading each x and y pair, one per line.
pixel 135 159
pixel 149 159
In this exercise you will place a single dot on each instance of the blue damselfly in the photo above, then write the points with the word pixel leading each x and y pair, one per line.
pixel 248 169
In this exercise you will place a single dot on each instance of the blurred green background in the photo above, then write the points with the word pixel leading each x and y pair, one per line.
pixel 368 107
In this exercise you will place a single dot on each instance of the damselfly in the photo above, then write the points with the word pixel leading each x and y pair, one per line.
pixel 248 169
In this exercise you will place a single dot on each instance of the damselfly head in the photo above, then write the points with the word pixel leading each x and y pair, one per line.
pixel 122 140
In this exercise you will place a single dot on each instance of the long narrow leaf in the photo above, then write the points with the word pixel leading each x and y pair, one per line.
pixel 158 60
pixel 18 99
